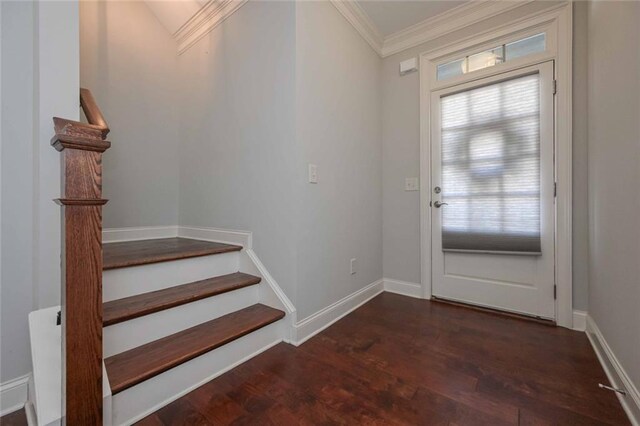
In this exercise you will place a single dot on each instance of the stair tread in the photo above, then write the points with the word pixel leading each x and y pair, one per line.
pixel 120 310
pixel 142 252
pixel 134 366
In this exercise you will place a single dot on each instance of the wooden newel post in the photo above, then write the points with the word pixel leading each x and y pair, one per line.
pixel 81 146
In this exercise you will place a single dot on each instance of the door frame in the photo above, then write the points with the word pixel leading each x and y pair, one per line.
pixel 556 22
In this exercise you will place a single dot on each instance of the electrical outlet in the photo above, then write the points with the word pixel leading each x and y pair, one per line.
pixel 313 173
pixel 411 184
pixel 353 266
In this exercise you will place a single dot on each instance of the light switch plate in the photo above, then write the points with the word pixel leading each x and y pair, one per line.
pixel 352 266
pixel 411 184
pixel 313 173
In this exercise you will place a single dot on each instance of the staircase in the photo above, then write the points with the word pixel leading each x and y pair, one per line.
pixel 176 313
pixel 142 322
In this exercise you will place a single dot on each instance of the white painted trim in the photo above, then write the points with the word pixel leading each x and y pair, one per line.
pixel 252 264
pixel 113 235
pixel 558 20
pixel 314 324
pixel 444 23
pixel 30 412
pixel 579 320
pixel 228 236
pixel 212 14
pixel 359 19
pixel 14 394
pixel 404 288
pixel 618 377
pixel 266 276
pixel 436 26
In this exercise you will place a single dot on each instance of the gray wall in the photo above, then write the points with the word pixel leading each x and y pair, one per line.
pixel 263 94
pixel 338 107
pixel 614 177
pixel 401 157
pixel 269 91
pixel 37 37
pixel 237 147
pixel 18 207
pixel 129 62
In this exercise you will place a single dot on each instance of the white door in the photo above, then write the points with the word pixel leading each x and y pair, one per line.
pixel 493 192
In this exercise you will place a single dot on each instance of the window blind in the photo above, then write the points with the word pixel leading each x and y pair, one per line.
pixel 491 168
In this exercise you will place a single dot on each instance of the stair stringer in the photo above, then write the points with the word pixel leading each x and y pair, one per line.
pixel 270 293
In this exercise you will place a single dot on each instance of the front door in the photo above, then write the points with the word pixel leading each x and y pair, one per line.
pixel 492 193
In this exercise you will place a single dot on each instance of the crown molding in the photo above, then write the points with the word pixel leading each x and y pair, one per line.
pixel 359 19
pixel 445 23
pixel 215 12
pixel 212 14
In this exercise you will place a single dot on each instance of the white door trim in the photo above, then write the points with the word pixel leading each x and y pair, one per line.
pixel 557 24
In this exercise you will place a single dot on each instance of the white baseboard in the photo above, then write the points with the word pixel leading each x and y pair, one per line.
pixel 113 235
pixel 228 236
pixel 579 320
pixel 14 394
pixel 410 289
pixel 314 324
pixel 404 288
pixel 618 377
pixel 30 413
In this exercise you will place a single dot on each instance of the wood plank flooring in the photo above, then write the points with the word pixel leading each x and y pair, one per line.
pixel 398 360
pixel 17 418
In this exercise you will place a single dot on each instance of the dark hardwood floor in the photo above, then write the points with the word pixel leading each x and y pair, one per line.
pixel 17 418
pixel 398 360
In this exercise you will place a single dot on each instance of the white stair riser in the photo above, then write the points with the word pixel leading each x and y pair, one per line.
pixel 125 282
pixel 136 332
pixel 139 401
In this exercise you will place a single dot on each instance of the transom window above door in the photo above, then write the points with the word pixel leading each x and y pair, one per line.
pixel 493 56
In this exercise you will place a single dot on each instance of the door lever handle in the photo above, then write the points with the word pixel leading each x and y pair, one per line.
pixel 438 204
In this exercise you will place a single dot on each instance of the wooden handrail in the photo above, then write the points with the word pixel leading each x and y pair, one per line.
pixel 92 112
pixel 82 145
pixel 96 128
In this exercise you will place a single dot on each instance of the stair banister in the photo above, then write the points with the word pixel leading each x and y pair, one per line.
pixel 82 145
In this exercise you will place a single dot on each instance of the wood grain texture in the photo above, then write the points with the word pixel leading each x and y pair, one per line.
pixel 136 365
pixel 128 308
pixel 82 313
pixel 81 146
pixel 404 361
pixel 133 253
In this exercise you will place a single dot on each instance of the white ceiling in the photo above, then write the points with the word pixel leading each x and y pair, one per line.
pixel 390 16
